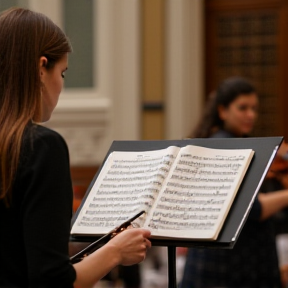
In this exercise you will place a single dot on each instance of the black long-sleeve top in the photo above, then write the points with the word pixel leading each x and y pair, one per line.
pixel 34 230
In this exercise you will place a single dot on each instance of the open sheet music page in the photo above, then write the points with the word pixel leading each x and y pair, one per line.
pixel 198 192
pixel 186 192
pixel 128 183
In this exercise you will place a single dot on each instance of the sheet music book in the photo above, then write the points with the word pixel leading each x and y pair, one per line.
pixel 186 192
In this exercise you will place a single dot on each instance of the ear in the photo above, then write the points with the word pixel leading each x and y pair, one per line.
pixel 222 112
pixel 42 66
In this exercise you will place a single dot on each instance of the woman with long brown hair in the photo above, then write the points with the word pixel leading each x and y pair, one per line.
pixel 35 182
pixel 232 112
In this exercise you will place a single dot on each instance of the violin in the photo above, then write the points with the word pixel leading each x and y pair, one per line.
pixel 279 166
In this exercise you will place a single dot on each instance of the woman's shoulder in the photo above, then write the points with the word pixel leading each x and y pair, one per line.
pixel 40 142
pixel 44 154
pixel 36 134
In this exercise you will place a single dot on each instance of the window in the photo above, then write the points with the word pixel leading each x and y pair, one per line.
pixel 78 25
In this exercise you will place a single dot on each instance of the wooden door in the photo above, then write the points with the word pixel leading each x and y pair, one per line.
pixel 250 39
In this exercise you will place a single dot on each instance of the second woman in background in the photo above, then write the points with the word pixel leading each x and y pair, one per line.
pixel 232 112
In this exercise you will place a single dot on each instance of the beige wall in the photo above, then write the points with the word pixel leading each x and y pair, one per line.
pixel 91 119
pixel 184 63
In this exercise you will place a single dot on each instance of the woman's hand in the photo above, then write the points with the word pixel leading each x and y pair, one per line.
pixel 126 248
pixel 131 245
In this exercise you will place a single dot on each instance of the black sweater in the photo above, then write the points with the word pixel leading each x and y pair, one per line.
pixel 34 231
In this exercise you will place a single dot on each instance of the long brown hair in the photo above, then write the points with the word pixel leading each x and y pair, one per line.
pixel 25 36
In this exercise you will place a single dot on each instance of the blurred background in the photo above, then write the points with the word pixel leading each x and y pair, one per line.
pixel 143 69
